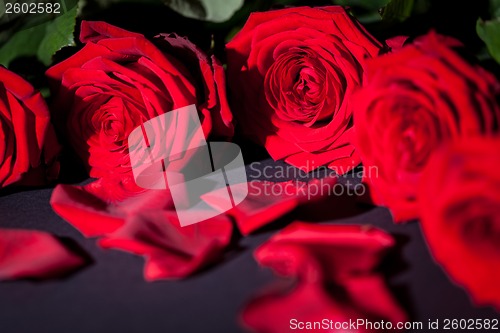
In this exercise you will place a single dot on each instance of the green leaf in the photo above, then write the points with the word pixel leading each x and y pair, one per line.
pixel 22 43
pixel 207 10
pixel 398 10
pixel 495 8
pixel 3 9
pixel 58 34
pixel 489 32
pixel 42 40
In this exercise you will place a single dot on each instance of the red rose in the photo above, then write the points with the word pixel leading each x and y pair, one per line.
pixel 28 145
pixel 411 101
pixel 119 80
pixel 293 72
pixel 459 199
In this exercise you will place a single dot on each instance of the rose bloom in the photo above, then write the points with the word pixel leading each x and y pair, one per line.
pixel 293 72
pixel 460 207
pixel 28 146
pixel 119 80
pixel 412 101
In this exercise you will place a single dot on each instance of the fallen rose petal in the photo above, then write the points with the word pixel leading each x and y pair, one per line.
pixel 333 268
pixel 171 251
pixel 34 254
pixel 342 251
pixel 372 298
pixel 280 311
pixel 275 311
pixel 87 209
pixel 125 225
pixel 144 223
pixel 268 201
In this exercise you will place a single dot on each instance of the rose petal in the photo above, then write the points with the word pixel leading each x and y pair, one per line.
pixel 341 251
pixel 89 210
pixel 34 254
pixel 170 251
pixel 334 270
pixel 268 201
